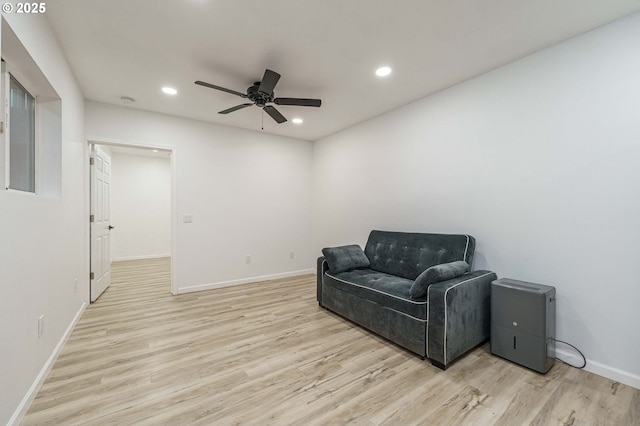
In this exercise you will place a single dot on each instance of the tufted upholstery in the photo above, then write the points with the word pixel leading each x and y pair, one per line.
pixel 407 255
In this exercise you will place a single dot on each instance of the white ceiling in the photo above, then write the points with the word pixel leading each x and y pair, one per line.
pixel 327 49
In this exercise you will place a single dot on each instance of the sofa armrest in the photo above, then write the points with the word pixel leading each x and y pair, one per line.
pixel 458 316
pixel 322 266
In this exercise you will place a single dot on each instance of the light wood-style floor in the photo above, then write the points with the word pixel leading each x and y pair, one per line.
pixel 266 353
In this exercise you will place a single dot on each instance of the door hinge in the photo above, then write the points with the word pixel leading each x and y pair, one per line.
pixel 91 276
pixel 92 218
pixel 1 126
pixel 91 161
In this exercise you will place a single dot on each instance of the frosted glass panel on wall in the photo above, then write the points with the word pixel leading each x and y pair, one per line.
pixel 49 152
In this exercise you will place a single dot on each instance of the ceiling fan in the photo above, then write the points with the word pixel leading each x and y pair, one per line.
pixel 261 94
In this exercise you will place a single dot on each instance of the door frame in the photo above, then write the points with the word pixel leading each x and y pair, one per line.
pixel 174 198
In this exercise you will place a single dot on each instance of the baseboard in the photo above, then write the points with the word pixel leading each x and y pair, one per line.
pixel 609 372
pixel 24 405
pixel 202 287
pixel 148 256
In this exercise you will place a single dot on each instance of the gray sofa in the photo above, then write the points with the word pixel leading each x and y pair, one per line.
pixel 414 289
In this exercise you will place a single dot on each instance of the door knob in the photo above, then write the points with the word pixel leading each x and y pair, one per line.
pixel 111 227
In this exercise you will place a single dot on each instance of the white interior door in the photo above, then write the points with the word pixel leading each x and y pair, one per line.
pixel 100 222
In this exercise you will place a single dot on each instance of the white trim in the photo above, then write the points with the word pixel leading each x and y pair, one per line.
pixel 146 256
pixel 128 143
pixel 21 192
pixel 211 286
pixel 393 310
pixel 426 342
pixel 31 394
pixel 600 369
pixel 324 262
pixel 464 256
pixel 444 346
pixel 378 291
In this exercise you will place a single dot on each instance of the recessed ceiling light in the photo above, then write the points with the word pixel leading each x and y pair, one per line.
pixel 169 90
pixel 297 121
pixel 383 71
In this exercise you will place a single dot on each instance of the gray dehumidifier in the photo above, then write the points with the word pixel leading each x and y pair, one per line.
pixel 523 323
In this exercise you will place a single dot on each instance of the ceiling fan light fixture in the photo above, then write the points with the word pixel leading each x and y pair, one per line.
pixel 383 71
pixel 297 121
pixel 169 90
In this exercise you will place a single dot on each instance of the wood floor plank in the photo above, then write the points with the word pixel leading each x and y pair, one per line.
pixel 265 353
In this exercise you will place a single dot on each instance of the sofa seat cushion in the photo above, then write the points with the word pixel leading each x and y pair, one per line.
pixel 387 290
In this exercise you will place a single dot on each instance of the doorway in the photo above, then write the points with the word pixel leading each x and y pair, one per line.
pixel 132 208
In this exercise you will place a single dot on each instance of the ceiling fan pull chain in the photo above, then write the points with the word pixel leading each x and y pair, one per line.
pixel 262 119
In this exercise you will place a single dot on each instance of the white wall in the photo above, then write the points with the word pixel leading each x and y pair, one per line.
pixel 42 248
pixel 539 160
pixel 248 193
pixel 140 206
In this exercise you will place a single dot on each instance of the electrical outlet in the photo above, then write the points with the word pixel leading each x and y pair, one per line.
pixel 292 255
pixel 40 325
pixel 247 259
pixel 75 285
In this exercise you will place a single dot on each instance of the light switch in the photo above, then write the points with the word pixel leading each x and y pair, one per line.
pixel 188 218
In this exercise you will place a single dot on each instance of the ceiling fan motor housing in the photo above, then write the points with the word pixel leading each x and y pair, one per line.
pixel 260 98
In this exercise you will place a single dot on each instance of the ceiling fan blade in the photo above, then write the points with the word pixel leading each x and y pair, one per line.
pixel 269 81
pixel 298 102
pixel 275 114
pixel 235 108
pixel 213 86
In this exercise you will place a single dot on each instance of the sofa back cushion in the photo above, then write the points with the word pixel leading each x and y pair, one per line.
pixel 407 254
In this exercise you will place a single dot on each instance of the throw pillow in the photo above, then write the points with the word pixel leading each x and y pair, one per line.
pixel 435 274
pixel 344 258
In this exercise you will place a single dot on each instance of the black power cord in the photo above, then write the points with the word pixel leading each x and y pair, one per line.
pixel 584 360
